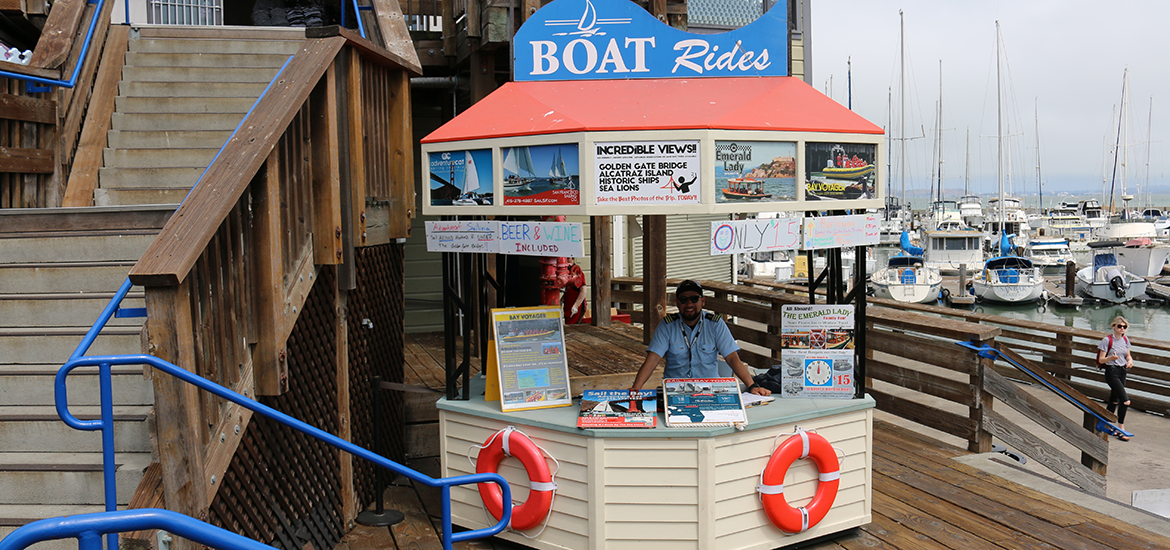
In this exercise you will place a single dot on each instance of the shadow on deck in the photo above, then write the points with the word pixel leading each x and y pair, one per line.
pixel 922 497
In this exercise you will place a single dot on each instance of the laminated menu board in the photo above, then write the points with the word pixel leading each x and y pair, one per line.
pixel 818 351
pixel 615 409
pixel 533 370
pixel 703 402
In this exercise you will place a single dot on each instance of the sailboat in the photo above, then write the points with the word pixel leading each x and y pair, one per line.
pixel 558 174
pixel 518 161
pixel 898 217
pixel 1007 278
pixel 907 278
pixel 470 184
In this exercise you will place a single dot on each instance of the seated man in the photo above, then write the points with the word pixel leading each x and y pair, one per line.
pixel 691 342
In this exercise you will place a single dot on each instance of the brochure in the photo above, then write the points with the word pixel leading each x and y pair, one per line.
pixel 614 409
pixel 703 402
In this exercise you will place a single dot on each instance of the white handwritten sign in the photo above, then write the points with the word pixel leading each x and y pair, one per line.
pixel 840 231
pixel 463 236
pixel 519 238
pixel 740 236
pixel 542 239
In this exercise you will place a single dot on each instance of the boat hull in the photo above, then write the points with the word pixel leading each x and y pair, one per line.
pixel 1095 284
pixel 898 284
pixel 1003 286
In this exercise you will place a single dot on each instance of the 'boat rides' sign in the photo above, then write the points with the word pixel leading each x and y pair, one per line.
pixel 617 39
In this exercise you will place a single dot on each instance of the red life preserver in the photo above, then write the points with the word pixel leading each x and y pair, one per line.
pixel 510 442
pixel 771 487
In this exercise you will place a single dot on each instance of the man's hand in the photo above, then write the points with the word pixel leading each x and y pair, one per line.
pixel 760 390
pixel 573 310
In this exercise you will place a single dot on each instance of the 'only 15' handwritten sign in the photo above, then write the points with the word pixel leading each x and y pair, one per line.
pixel 745 236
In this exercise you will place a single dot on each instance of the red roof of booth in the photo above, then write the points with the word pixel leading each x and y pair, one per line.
pixel 555 107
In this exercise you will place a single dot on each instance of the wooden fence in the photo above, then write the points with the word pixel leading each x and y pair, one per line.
pixel 914 369
pixel 292 198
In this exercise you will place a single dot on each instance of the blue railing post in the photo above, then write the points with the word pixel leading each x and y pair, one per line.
pixel 109 474
pixel 90 540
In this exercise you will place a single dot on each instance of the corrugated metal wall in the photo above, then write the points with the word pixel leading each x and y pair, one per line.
pixel 688 249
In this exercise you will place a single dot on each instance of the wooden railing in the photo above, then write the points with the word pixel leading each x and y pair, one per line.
pixel 1067 353
pixel 39 131
pixel 299 186
pixel 914 370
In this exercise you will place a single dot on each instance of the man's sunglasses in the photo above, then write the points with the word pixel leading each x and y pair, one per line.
pixel 689 299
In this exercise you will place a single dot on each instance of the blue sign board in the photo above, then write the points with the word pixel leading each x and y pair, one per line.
pixel 618 40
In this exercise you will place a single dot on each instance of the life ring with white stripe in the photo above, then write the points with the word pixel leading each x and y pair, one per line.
pixel 513 443
pixel 771 487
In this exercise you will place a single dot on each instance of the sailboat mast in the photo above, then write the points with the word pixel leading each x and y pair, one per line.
pixel 849 81
pixel 1149 138
pixel 902 97
pixel 999 130
pixel 938 132
pixel 1039 183
pixel 967 166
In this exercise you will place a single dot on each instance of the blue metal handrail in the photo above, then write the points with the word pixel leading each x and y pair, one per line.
pixel 357 15
pixel 988 352
pixel 105 362
pixel 88 528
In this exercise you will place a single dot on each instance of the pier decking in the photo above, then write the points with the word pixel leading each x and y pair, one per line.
pixel 923 498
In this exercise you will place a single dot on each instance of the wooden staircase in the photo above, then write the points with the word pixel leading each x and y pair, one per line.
pixel 183 91
pixel 57 272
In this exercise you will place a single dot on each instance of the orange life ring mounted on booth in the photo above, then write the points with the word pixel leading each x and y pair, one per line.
pixel 510 442
pixel 771 488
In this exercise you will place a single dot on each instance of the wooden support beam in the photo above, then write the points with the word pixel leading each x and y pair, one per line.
pixel 395 35
pixel 653 273
pixel 601 256
pixel 483 74
pixel 28 109
pixel 17 160
pixel 180 435
pixel 350 505
pixel 357 149
pixel 401 150
pixel 270 358
pixel 87 161
pixel 325 171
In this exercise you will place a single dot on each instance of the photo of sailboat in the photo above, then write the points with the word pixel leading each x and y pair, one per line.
pixel 461 178
pixel 556 184
pixel 518 170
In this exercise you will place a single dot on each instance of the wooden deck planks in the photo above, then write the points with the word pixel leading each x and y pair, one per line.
pixel 922 498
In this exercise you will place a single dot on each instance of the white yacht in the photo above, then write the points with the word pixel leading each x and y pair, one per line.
pixel 1008 279
pixel 1050 254
pixel 949 247
pixel 1015 221
pixel 1065 222
pixel 907 279
pixel 1142 256
pixel 1090 210
pixel 971 210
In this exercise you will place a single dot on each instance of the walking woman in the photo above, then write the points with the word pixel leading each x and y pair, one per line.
pixel 1113 353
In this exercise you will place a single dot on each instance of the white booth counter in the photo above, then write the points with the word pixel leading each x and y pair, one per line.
pixel 662 487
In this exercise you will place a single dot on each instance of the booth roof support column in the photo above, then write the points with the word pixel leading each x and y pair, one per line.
pixel 653 273
pixel 601 256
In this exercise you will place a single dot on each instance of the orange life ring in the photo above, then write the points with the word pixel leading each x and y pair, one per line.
pixel 771 488
pixel 509 442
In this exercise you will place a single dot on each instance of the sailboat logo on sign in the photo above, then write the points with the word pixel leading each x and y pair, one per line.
pixel 587 25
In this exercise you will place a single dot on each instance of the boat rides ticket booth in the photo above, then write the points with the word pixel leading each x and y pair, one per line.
pixel 614 113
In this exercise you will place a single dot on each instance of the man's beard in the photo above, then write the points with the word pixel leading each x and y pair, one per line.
pixel 690 318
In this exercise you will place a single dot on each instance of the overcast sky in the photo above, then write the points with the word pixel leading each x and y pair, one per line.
pixel 1064 62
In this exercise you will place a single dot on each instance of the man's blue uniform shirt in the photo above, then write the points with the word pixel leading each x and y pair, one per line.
pixel 699 359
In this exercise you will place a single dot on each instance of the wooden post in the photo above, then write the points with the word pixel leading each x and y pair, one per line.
pixel 981 401
pixel 357 147
pixel 349 498
pixel 601 256
pixel 483 74
pixel 401 144
pixel 180 440
pixel 653 273
pixel 1064 346
pixel 327 246
pixel 269 361
pixel 1086 460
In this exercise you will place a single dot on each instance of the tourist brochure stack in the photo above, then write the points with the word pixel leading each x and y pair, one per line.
pixel 703 402
pixel 615 409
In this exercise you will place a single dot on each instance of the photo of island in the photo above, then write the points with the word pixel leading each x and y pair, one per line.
pixel 755 171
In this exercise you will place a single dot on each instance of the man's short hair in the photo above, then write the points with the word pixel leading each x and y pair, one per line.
pixel 688 286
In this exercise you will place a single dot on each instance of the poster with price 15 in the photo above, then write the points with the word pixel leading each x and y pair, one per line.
pixel 647 172
pixel 818 351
